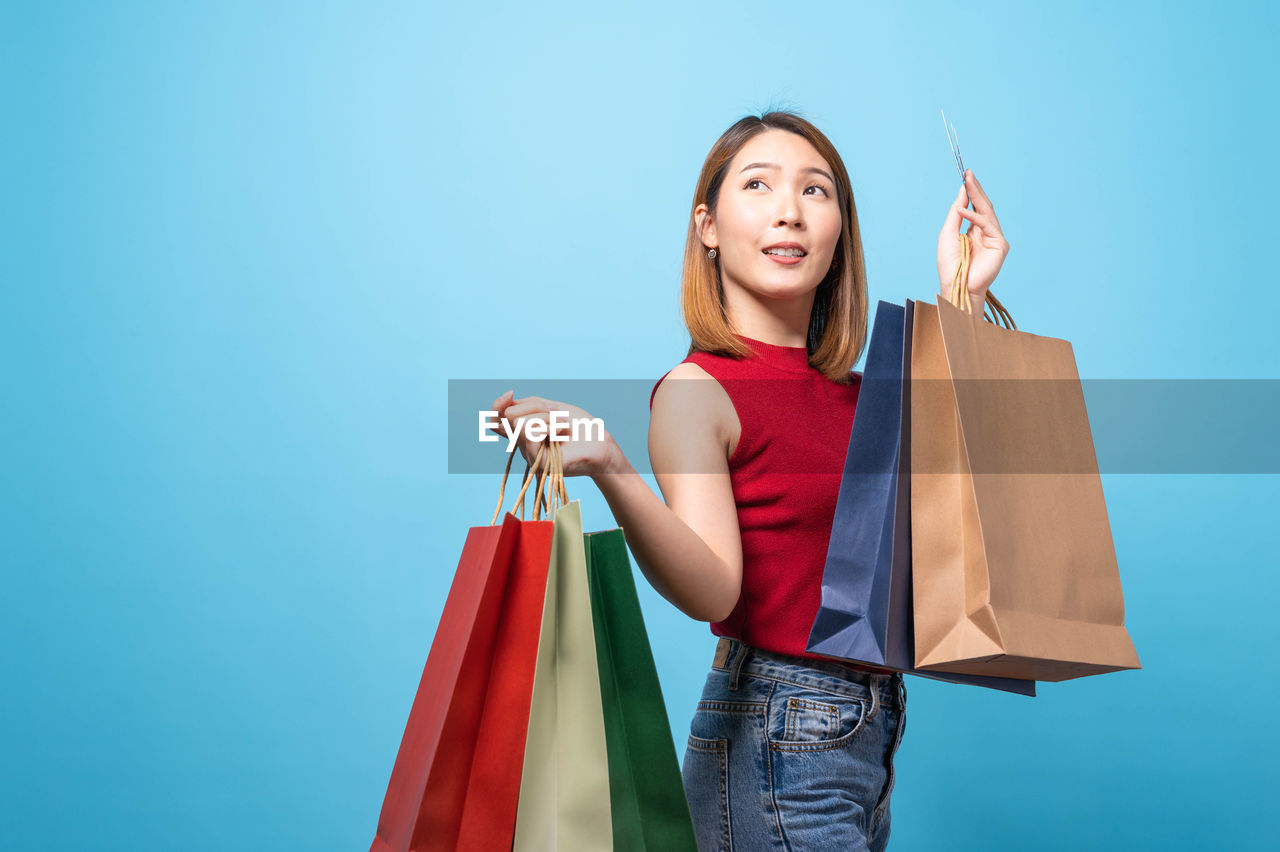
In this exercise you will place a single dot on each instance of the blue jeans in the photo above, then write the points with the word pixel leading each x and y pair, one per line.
pixel 790 753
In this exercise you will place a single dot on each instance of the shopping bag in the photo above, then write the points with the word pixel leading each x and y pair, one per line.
pixel 454 784
pixel 564 788
pixel 1014 568
pixel 493 789
pixel 865 613
pixel 647 796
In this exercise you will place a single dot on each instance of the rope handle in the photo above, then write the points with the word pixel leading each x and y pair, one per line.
pixel 549 470
pixel 554 481
pixel 520 497
pixel 960 289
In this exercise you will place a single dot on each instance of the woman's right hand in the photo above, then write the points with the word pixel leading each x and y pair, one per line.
pixel 586 456
pixel 987 246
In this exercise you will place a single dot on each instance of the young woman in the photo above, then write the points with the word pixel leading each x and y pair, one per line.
pixel 787 750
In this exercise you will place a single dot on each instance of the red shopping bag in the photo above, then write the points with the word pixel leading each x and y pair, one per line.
pixel 456 779
pixel 493 791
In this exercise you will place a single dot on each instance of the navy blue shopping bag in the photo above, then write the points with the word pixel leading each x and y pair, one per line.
pixel 865 614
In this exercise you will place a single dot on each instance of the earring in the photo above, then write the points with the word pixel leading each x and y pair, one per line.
pixel 711 254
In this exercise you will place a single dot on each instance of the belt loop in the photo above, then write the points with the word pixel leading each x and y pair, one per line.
pixel 875 695
pixel 744 650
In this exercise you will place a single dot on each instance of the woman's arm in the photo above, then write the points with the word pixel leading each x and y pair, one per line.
pixel 689 547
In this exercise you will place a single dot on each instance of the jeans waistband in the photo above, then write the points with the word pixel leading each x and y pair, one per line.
pixel 738 658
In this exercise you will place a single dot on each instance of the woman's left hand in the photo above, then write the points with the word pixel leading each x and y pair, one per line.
pixel 987 245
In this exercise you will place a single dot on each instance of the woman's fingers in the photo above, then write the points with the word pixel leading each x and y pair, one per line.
pixel 978 219
pixel 982 206
pixel 952 224
pixel 520 414
pixel 517 409
pixel 981 203
pixel 985 235
pixel 535 408
pixel 499 405
pixel 986 221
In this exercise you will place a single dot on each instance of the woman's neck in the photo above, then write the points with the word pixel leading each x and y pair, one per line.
pixel 780 322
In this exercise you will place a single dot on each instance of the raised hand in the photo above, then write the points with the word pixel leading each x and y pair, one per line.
pixel 586 455
pixel 987 245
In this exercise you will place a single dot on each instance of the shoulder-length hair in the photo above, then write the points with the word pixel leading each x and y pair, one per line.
pixel 838 321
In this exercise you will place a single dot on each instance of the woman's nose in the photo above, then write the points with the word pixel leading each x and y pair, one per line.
pixel 788 212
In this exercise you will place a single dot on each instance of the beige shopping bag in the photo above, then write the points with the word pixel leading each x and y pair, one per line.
pixel 1013 564
pixel 564 785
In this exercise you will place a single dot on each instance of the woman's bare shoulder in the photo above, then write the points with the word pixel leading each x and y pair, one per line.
pixel 693 406
pixel 688 370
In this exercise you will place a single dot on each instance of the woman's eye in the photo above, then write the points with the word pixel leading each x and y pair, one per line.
pixel 811 186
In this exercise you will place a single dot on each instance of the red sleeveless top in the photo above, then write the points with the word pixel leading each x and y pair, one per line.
pixel 785 473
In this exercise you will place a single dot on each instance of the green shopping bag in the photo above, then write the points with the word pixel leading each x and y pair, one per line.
pixel 647 798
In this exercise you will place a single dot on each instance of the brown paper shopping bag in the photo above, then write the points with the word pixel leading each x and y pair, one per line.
pixel 1013 563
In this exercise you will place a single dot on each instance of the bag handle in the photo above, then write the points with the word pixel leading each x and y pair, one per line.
pixel 960 288
pixel 554 481
pixel 548 471
pixel 520 497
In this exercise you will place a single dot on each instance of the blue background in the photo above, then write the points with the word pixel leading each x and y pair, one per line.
pixel 247 245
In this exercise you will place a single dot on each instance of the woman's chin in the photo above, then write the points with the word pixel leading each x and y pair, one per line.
pixel 784 291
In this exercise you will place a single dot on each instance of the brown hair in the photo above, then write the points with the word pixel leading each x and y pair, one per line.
pixel 838 321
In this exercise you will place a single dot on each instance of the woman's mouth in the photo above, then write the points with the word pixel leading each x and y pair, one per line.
pixel 787 257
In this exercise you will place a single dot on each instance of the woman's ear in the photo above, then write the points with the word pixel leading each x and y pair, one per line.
pixel 706 227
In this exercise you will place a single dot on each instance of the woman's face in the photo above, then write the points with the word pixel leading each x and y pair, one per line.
pixel 776 190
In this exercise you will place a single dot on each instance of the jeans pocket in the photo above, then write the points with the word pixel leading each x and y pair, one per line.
pixel 807 720
pixel 705 773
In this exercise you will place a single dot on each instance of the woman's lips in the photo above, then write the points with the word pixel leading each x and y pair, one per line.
pixel 783 259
